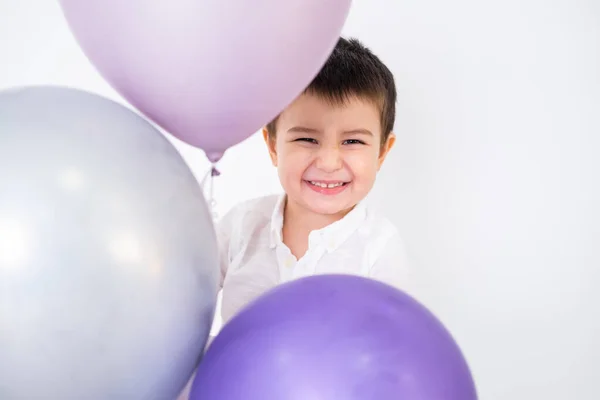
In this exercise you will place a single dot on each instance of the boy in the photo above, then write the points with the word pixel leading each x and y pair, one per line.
pixel 328 146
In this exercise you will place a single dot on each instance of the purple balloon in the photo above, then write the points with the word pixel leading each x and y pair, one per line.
pixel 332 337
pixel 210 72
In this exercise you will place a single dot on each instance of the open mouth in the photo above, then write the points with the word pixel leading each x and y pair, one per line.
pixel 327 187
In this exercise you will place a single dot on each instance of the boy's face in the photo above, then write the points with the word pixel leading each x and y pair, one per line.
pixel 327 155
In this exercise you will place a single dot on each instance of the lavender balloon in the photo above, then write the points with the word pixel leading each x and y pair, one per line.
pixel 210 72
pixel 333 337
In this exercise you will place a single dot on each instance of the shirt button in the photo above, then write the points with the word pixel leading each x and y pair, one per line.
pixel 331 245
pixel 289 262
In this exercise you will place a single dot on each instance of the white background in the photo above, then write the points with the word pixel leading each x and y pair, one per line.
pixel 494 183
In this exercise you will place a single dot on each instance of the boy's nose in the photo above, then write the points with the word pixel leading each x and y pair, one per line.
pixel 329 159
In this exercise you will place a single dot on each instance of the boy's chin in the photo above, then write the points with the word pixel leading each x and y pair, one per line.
pixel 315 203
pixel 329 208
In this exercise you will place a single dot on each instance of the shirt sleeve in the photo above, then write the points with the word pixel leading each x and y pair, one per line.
pixel 392 266
pixel 225 238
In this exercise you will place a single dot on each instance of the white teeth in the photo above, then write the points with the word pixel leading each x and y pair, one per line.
pixel 325 185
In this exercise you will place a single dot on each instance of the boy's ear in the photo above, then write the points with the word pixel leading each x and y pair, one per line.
pixel 385 149
pixel 270 146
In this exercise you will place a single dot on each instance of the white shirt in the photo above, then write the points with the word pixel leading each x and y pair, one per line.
pixel 254 258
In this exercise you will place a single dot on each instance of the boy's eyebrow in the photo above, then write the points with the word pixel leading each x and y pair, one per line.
pixel 302 129
pixel 359 131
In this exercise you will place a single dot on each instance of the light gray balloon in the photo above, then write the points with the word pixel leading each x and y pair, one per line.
pixel 108 260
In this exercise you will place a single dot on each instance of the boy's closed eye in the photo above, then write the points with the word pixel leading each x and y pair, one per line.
pixel 306 139
pixel 346 142
pixel 354 141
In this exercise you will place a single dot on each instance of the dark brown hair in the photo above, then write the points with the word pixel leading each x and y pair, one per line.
pixel 353 70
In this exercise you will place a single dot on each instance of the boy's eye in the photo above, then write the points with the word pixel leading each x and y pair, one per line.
pixel 353 141
pixel 309 140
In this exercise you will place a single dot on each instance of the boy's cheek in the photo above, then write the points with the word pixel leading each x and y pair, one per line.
pixel 296 158
pixel 362 161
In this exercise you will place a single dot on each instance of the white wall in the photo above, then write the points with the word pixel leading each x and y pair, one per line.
pixel 494 182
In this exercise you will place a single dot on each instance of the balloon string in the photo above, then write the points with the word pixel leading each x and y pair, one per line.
pixel 210 175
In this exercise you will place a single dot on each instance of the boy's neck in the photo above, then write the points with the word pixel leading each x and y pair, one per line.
pixel 299 222
pixel 305 221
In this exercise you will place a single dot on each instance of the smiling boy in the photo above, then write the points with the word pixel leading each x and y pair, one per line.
pixel 328 147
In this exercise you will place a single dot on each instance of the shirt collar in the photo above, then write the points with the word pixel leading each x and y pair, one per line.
pixel 277 222
pixel 331 236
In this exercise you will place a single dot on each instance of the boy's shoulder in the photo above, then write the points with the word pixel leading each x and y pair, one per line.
pixel 260 205
pixel 379 225
pixel 255 211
